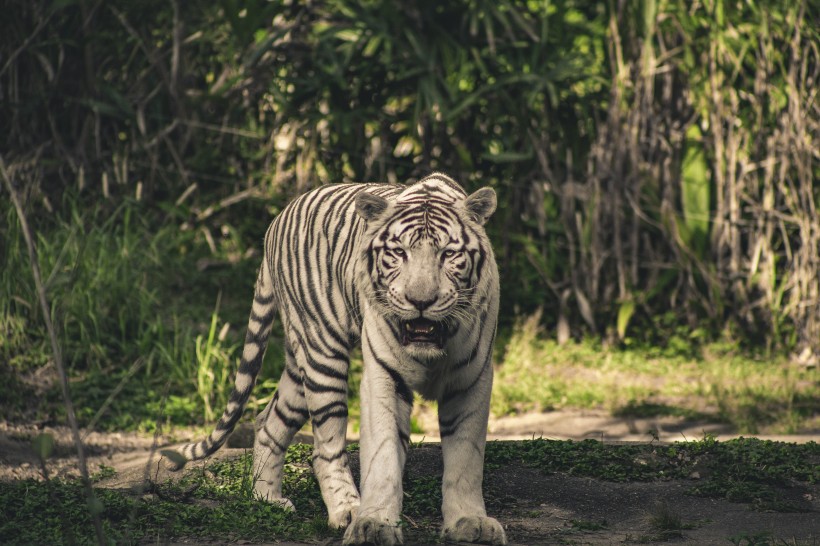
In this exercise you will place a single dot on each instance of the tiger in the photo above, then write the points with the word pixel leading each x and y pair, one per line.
pixel 407 272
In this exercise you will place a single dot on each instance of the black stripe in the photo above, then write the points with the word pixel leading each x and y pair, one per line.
pixel 478 268
pixel 461 364
pixel 402 390
pixel 289 422
pixel 329 371
pixel 315 387
pixel 448 428
pixel 264 319
pixel 293 375
pixel 302 412
pixel 448 396
pixel 240 397
pixel 319 421
pixel 396 333
pixel 259 338
pixel 264 300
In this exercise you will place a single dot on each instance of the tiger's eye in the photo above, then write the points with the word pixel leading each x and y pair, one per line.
pixel 397 252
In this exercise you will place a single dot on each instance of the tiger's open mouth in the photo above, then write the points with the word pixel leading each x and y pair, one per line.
pixel 422 330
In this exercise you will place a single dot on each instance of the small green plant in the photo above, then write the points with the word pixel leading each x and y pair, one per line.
pixel 760 538
pixel 587 525
pixel 665 522
pixel 215 365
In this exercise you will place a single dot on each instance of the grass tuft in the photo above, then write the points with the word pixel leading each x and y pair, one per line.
pixel 665 522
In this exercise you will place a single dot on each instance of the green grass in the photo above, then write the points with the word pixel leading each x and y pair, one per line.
pixel 745 470
pixel 216 502
pixel 56 514
pixel 141 327
pixel 755 393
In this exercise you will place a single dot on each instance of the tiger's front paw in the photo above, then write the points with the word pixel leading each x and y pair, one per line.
pixel 263 492
pixel 341 516
pixel 368 530
pixel 475 529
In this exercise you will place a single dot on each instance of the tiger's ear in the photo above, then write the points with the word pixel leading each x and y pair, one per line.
pixel 481 204
pixel 370 206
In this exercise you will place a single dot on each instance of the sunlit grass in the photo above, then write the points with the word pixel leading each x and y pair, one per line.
pixel 755 394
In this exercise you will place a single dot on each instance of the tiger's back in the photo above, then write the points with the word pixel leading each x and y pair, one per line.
pixel 310 248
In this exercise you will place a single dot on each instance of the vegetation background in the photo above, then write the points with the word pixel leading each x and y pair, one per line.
pixel 655 163
pixel 657 234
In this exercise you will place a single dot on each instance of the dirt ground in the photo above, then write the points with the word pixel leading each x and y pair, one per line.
pixel 535 508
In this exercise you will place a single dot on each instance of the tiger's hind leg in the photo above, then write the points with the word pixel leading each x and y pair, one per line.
pixel 325 382
pixel 275 427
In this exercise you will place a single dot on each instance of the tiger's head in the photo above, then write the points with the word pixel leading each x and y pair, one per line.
pixel 426 258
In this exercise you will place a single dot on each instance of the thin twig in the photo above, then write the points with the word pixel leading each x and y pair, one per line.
pixel 58 358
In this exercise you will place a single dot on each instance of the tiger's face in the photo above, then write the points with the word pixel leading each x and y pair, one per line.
pixel 425 255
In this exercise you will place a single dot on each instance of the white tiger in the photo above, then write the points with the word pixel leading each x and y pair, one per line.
pixel 410 272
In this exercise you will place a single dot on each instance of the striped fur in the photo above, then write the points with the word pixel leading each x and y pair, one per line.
pixel 407 271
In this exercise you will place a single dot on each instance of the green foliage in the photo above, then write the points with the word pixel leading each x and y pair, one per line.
pixel 666 522
pixel 625 312
pixel 215 504
pixel 751 470
pixel 760 538
pixel 97 268
pixel 586 458
pixel 586 525
pixel 421 505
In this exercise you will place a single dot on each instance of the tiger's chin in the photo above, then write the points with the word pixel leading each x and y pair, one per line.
pixel 425 352
pixel 424 338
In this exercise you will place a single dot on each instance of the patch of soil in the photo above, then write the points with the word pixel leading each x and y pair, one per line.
pixel 534 508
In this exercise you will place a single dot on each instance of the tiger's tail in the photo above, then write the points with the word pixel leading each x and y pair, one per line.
pixel 256 338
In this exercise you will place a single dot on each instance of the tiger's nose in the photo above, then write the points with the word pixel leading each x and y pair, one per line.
pixel 421 305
